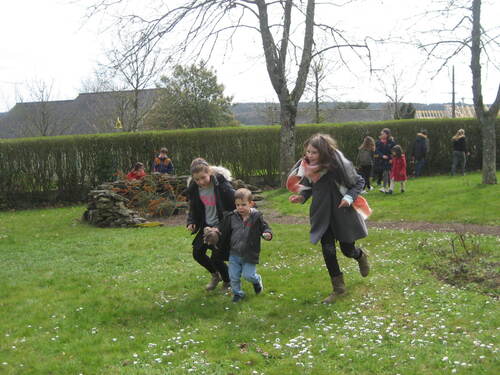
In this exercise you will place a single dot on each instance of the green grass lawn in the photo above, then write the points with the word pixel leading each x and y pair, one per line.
pixel 80 300
pixel 441 199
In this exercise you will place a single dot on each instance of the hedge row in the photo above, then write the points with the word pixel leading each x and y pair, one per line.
pixel 65 168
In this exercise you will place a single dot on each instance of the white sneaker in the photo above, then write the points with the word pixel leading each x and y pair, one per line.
pixel 382 190
pixel 371 188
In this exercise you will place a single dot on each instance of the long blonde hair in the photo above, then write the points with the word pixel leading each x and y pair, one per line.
pixel 460 134
pixel 368 144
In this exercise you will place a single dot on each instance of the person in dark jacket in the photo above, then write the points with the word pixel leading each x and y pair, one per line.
pixel 364 160
pixel 382 156
pixel 459 152
pixel 333 183
pixel 421 148
pixel 241 231
pixel 210 195
pixel 162 163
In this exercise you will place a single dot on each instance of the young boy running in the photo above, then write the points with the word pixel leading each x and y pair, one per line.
pixel 241 231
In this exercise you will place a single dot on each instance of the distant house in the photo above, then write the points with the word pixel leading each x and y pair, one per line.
pixel 88 113
pixel 461 111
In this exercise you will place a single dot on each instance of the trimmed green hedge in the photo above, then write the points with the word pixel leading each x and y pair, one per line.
pixel 65 168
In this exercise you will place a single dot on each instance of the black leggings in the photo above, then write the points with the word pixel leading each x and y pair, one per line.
pixel 214 263
pixel 330 253
pixel 366 171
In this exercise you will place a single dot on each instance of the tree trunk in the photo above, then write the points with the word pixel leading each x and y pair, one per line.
pixel 489 149
pixel 486 117
pixel 287 138
pixel 316 97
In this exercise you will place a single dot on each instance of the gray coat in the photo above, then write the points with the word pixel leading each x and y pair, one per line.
pixel 346 224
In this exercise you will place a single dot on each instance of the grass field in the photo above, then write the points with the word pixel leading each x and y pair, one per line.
pixel 80 300
pixel 442 199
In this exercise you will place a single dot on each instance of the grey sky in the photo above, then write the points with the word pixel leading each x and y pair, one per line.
pixel 49 40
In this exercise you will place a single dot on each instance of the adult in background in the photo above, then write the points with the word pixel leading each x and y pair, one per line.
pixel 459 152
pixel 421 149
pixel 162 163
pixel 383 148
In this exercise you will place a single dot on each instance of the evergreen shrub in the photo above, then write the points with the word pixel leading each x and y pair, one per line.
pixel 65 168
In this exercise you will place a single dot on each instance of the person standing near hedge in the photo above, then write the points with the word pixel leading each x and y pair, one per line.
pixel 365 160
pixel 334 185
pixel 398 169
pixel 420 152
pixel 383 149
pixel 210 195
pixel 459 152
pixel 162 163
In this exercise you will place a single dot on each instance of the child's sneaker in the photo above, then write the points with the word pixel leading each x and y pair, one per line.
pixel 382 190
pixel 388 192
pixel 258 287
pixel 402 190
pixel 237 298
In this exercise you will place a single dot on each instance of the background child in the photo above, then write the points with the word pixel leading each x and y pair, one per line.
pixel 398 170
pixel 241 231
pixel 383 149
pixel 333 183
pixel 210 195
pixel 365 160
pixel 162 163
pixel 137 173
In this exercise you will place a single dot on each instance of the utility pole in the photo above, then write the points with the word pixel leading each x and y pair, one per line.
pixel 453 115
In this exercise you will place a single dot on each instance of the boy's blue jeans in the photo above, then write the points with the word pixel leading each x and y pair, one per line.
pixel 237 269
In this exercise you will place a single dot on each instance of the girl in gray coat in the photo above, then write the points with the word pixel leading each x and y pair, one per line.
pixel 326 175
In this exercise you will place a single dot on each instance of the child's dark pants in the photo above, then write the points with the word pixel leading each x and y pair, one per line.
pixel 214 263
pixel 366 171
pixel 330 253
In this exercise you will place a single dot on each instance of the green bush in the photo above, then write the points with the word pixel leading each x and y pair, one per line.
pixel 65 168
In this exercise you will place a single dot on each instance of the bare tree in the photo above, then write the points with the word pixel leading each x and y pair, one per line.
pixel 205 23
pixel 37 115
pixel 318 75
pixel 467 33
pixel 136 69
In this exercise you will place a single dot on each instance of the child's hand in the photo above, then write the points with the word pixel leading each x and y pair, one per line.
pixel 191 228
pixel 267 236
pixel 343 203
pixel 296 198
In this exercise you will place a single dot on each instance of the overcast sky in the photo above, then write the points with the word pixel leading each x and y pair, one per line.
pixel 49 40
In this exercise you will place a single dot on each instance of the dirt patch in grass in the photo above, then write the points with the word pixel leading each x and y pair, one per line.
pixel 465 263
pixel 273 216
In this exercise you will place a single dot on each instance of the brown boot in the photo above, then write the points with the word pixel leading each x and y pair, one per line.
pixel 214 282
pixel 364 267
pixel 338 289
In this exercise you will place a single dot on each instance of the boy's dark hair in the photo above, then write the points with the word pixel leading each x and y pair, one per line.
pixel 398 150
pixel 243 194
pixel 199 165
pixel 138 166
